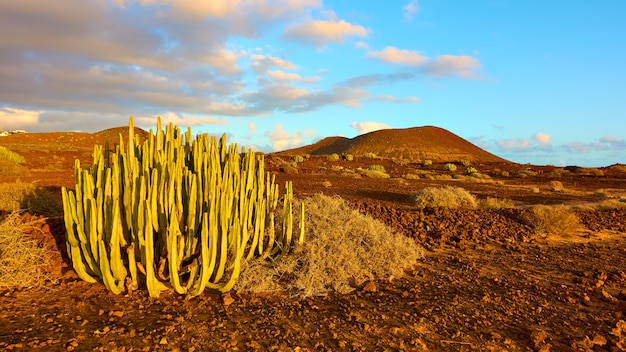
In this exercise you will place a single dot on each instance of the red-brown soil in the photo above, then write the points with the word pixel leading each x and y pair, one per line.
pixel 488 282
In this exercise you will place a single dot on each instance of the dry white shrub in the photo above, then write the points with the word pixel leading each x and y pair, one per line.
pixel 343 249
pixel 22 260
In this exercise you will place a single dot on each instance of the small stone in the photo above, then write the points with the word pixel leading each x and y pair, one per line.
pixel 599 340
pixel 370 286
pixel 163 341
pixel 228 299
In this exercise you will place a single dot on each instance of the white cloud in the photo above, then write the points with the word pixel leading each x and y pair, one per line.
pixel 318 33
pixel 281 139
pixel 410 10
pixel 397 56
pixel 443 65
pixel 181 121
pixel 542 138
pixel 451 65
pixel 289 76
pixel 18 119
pixel 513 144
pixel 369 126
pixel 392 99
pixel 262 63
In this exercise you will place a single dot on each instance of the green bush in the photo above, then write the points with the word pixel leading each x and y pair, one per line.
pixel 348 157
pixel 427 162
pixel 298 158
pixel 464 162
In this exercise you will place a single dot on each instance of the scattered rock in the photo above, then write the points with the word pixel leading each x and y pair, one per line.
pixel 369 286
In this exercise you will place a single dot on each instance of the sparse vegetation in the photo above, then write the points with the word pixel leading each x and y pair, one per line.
pixel 525 173
pixel 370 155
pixel 557 220
pixel 298 158
pixel 449 167
pixel 12 195
pixel 7 155
pixel 22 259
pixel 332 157
pixel 343 250
pixel 445 197
pixel 556 186
pixel 427 162
pixel 376 167
pixel 348 157
pixel 464 162
pixel 558 173
pixel 496 203
pixel 612 204
pixel 470 170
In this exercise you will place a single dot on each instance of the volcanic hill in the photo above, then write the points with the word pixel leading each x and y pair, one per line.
pixel 413 144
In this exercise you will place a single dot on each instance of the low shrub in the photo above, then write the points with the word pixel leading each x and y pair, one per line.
pixel 556 186
pixel 348 157
pixel 332 157
pixel 557 220
pixel 612 204
pixel 464 162
pixel 427 162
pixel 298 158
pixel 376 167
pixel 445 197
pixel 12 195
pixel 12 169
pixel 370 155
pixel 22 260
pixel 375 174
pixel 496 203
pixel 343 250
pixel 470 170
pixel 449 167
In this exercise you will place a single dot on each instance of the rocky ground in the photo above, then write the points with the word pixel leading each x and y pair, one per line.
pixel 488 282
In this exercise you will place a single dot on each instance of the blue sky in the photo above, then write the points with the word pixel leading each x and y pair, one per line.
pixel 538 82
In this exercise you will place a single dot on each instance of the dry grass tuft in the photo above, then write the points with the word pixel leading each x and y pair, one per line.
pixel 12 195
pixel 342 250
pixel 445 197
pixel 12 169
pixel 556 186
pixel 612 204
pixel 22 260
pixel 496 203
pixel 557 220
pixel 34 199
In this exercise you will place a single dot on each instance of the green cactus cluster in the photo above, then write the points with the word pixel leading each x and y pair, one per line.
pixel 174 212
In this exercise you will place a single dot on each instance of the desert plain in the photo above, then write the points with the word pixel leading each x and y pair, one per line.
pixel 490 280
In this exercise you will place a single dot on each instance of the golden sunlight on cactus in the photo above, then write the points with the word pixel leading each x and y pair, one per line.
pixel 173 212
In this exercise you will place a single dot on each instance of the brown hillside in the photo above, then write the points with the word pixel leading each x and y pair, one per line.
pixel 113 134
pixel 415 144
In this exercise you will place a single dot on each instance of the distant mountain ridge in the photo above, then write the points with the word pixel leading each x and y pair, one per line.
pixel 414 144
